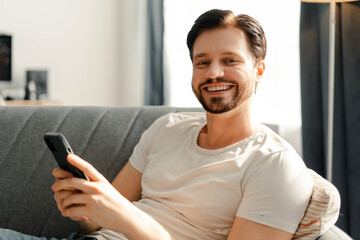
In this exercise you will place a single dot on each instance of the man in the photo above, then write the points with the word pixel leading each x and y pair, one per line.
pixel 218 175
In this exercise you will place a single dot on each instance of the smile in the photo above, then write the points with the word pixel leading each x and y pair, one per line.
pixel 218 88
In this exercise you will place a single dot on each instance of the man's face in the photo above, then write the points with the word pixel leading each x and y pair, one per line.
pixel 224 70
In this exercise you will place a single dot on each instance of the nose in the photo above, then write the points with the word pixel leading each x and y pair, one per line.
pixel 215 70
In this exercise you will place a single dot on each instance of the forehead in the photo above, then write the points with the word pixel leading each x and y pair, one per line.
pixel 222 40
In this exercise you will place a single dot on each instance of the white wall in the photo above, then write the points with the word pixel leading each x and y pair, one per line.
pixel 94 52
pixel 89 47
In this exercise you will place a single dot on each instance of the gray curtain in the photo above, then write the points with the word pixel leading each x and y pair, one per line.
pixel 314 45
pixel 154 85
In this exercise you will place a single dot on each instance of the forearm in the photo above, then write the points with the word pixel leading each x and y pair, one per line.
pixel 132 222
pixel 88 227
pixel 136 224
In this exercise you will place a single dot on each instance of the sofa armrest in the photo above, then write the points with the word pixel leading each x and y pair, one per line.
pixel 334 233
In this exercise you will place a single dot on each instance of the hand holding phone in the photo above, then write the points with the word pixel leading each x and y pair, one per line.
pixel 60 149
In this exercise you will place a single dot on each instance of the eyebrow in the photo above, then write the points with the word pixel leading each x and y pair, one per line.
pixel 199 55
pixel 232 53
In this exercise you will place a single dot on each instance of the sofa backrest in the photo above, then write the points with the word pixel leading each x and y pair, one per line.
pixel 103 136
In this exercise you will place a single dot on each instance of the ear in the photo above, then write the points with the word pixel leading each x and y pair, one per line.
pixel 260 69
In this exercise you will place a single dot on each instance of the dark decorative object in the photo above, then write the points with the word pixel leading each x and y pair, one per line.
pixel 36 84
pixel 5 57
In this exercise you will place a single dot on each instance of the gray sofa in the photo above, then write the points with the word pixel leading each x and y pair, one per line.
pixel 103 136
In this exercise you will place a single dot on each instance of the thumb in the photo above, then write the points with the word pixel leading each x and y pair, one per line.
pixel 85 167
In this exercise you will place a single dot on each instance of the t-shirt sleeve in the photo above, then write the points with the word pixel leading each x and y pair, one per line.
pixel 277 191
pixel 138 159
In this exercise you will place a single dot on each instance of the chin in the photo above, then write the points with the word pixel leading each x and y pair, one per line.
pixel 216 105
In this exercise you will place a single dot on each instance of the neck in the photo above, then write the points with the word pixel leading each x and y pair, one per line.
pixel 227 128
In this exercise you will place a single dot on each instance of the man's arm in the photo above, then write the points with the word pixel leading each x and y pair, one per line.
pixel 248 230
pixel 99 202
pixel 128 183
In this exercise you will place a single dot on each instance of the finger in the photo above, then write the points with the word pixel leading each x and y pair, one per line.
pixel 75 185
pixel 61 195
pixel 59 198
pixel 86 167
pixel 75 200
pixel 78 212
pixel 61 173
pixel 68 184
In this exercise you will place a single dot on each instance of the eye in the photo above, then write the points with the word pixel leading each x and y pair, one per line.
pixel 231 60
pixel 202 63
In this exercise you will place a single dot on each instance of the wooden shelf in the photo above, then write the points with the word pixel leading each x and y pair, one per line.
pixel 33 103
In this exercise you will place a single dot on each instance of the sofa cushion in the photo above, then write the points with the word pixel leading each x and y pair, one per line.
pixel 334 233
pixel 322 211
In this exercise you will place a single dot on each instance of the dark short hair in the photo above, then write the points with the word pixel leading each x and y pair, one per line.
pixel 217 19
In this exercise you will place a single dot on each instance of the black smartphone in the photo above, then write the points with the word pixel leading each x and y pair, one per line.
pixel 60 148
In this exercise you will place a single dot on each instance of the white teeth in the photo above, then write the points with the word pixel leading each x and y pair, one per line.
pixel 218 88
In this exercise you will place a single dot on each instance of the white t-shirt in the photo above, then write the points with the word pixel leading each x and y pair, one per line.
pixel 196 193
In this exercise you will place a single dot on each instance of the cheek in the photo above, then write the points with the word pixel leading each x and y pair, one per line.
pixel 195 81
pixel 244 76
pixel 195 88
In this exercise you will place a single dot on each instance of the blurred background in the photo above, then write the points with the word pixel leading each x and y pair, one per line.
pixel 125 53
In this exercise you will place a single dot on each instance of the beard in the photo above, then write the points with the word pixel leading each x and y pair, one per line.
pixel 218 105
